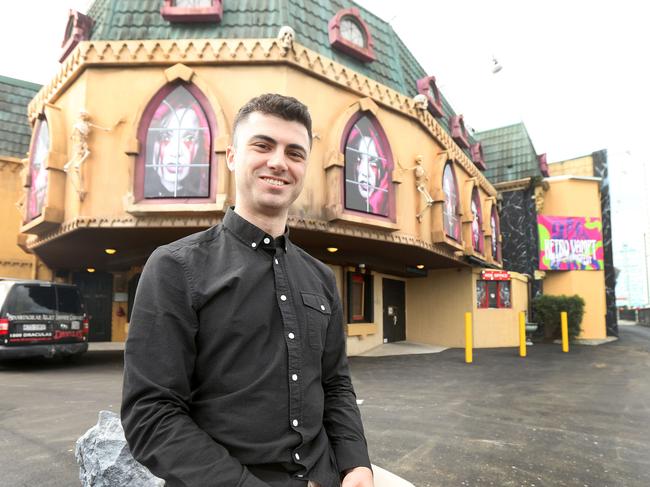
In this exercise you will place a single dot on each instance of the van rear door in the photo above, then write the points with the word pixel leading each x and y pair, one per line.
pixel 68 326
pixel 30 311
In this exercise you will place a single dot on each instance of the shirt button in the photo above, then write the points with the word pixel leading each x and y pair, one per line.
pixel 294 422
pixel 322 307
pixel 253 245
pixel 296 456
pixel 294 377
pixel 292 336
pixel 283 297
pixel 266 240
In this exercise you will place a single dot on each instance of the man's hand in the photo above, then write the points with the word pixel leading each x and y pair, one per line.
pixel 358 477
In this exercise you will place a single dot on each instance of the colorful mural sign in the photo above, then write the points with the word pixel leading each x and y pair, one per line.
pixel 570 243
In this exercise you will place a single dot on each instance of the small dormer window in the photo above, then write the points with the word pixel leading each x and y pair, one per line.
pixel 476 151
pixel 351 31
pixel 192 10
pixel 348 33
pixel 76 30
pixel 427 87
pixel 458 131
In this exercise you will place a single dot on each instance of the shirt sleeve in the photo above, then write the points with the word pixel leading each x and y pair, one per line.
pixel 158 366
pixel 341 417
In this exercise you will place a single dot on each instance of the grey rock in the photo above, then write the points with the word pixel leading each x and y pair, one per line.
pixel 105 460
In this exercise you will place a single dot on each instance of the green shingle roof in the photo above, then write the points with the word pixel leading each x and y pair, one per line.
pixel 15 130
pixel 509 153
pixel 394 65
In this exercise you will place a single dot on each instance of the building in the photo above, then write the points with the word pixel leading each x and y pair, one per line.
pixel 395 200
pixel 560 203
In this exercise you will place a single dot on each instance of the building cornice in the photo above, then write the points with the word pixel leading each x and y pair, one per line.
pixel 515 185
pixel 244 51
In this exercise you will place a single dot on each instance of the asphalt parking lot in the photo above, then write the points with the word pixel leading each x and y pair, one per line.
pixel 552 419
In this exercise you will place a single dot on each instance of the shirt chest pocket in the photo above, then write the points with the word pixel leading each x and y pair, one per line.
pixel 317 311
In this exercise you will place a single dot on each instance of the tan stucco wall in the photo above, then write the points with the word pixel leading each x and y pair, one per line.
pixel 14 262
pixel 500 327
pixel 436 307
pixel 578 197
pixel 581 166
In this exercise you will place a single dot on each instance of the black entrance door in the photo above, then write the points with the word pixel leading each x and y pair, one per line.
pixel 97 291
pixel 394 310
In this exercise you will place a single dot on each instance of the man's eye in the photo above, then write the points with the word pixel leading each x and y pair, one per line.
pixel 189 138
pixel 166 136
pixel 297 155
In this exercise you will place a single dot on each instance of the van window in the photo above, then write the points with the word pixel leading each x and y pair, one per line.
pixel 5 287
pixel 31 299
pixel 68 301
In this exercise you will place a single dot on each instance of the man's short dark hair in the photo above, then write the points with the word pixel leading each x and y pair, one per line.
pixel 285 107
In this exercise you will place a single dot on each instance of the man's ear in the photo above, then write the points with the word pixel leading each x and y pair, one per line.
pixel 230 157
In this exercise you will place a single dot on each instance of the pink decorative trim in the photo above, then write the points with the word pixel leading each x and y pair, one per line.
pixel 458 131
pixel 476 151
pixel 365 54
pixel 435 102
pixel 76 30
pixel 543 165
pixel 145 121
pixel 171 13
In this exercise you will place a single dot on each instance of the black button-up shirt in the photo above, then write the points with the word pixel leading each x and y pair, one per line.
pixel 235 365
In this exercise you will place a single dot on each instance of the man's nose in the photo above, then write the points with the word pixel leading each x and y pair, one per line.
pixel 277 160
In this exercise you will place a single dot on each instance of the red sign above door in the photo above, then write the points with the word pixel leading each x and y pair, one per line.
pixel 495 275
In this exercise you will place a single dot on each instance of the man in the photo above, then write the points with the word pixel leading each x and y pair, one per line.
pixel 235 365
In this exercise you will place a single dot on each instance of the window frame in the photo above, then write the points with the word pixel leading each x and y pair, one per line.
pixel 365 54
pixel 367 305
pixel 458 131
pixel 77 29
pixel 425 86
pixel 480 243
pixel 140 162
pixel 172 13
pixel 457 209
pixel 485 304
pixel 383 139
pixel 42 119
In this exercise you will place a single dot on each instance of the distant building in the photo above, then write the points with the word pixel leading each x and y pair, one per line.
pixel 570 198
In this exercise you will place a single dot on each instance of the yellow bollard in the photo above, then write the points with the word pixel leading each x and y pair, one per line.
pixel 565 331
pixel 468 338
pixel 522 334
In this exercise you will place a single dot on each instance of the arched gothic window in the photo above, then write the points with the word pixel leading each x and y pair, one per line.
pixel 37 172
pixel 451 210
pixel 494 226
pixel 477 222
pixel 177 160
pixel 368 168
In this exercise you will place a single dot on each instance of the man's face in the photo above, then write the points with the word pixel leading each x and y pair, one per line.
pixel 178 145
pixel 367 167
pixel 269 158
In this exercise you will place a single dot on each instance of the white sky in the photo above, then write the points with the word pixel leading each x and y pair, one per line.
pixel 574 71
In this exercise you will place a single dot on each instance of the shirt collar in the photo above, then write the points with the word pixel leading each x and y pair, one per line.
pixel 251 235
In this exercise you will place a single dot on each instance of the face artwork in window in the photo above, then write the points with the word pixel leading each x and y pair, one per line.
pixel 350 31
pixel 178 149
pixel 504 294
pixel 37 171
pixel 477 222
pixel 193 3
pixel 450 211
pixel 367 170
pixel 481 294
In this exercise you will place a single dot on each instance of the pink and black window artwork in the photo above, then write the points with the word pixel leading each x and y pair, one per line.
pixel 368 168
pixel 477 222
pixel 451 210
pixel 178 142
pixel 37 171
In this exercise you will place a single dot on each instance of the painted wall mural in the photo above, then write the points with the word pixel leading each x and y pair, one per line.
pixel 368 169
pixel 178 149
pixel 570 243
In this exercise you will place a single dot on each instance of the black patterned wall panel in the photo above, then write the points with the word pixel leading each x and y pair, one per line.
pixel 519 232
pixel 600 170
